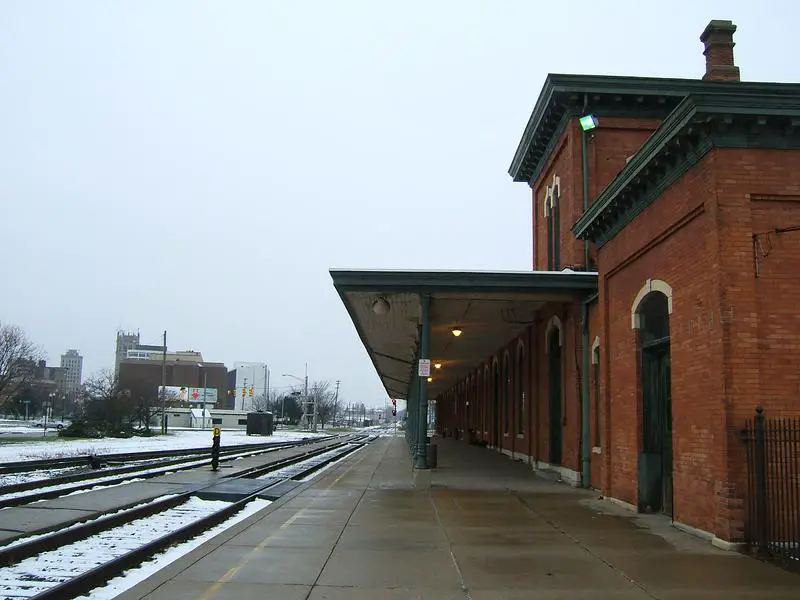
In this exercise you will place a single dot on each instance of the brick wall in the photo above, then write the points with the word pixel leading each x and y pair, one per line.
pixel 673 240
pixel 756 191
pixel 608 147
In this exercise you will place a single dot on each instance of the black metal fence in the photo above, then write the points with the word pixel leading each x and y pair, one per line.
pixel 772 526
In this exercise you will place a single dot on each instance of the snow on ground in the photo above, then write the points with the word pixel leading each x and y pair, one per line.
pixel 133 576
pixel 176 440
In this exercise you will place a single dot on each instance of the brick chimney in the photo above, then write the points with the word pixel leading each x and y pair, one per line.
pixel 718 41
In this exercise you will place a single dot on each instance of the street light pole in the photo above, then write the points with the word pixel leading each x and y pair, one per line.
pixel 304 380
pixel 314 409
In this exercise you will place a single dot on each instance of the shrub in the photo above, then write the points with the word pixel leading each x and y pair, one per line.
pixel 80 429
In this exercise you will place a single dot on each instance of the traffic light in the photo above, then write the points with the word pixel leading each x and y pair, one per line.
pixel 394 402
pixel 244 392
pixel 394 412
pixel 252 390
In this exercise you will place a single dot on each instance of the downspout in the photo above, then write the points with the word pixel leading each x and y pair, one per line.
pixel 534 236
pixel 586 451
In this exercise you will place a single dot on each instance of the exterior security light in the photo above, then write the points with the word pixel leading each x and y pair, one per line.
pixel 456 331
pixel 588 122
pixel 437 366
pixel 430 379
pixel 380 306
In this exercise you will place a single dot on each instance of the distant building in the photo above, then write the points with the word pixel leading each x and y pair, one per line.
pixel 128 343
pixel 248 381
pixel 147 353
pixel 56 375
pixel 144 376
pixel 72 363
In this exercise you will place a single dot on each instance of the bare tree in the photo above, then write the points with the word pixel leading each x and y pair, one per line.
pixel 321 393
pixel 260 403
pixel 18 359
pixel 106 403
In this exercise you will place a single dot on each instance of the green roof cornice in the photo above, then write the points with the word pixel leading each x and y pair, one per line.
pixel 458 281
pixel 699 123
pixel 563 96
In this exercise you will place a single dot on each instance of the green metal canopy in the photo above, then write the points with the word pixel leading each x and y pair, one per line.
pixel 489 307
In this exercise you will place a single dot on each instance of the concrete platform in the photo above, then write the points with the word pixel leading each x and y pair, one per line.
pixel 487 529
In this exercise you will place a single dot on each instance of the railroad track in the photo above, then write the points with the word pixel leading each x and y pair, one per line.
pixel 75 560
pixel 52 464
pixel 15 494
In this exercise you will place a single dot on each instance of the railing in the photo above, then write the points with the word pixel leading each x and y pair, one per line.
pixel 772 527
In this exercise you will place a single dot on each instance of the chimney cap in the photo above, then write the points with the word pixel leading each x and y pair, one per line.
pixel 717 26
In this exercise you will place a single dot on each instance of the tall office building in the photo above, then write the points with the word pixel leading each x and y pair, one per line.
pixel 72 363
pixel 125 341
pixel 249 375
pixel 129 346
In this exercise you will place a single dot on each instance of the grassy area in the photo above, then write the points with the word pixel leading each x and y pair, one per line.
pixel 28 438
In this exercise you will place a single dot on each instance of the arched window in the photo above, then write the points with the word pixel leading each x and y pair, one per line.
pixel 507 395
pixel 522 388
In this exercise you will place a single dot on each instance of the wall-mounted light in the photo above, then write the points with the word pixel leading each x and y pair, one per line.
pixel 588 122
pixel 456 331
pixel 437 365
pixel 380 306
pixel 430 379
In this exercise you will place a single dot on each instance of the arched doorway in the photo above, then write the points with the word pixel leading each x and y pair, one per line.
pixel 555 394
pixel 507 399
pixel 522 388
pixel 655 463
pixel 496 404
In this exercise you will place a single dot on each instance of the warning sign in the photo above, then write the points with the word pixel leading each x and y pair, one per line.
pixel 424 367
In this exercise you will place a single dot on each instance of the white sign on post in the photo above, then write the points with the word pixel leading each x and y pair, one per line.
pixel 424 367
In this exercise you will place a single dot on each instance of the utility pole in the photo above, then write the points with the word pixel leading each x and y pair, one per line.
pixel 205 386
pixel 335 402
pixel 163 390
pixel 314 408
pixel 266 386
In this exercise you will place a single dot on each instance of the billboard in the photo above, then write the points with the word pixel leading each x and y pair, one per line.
pixel 207 395
pixel 180 393
pixel 175 393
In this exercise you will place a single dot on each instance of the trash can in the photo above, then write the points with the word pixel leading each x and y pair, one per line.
pixel 433 455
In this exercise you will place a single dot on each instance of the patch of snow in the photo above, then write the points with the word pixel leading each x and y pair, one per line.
pixel 30 538
pixel 133 576
pixel 43 571
pixel 177 440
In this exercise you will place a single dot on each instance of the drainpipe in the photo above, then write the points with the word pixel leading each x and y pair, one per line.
pixel 586 451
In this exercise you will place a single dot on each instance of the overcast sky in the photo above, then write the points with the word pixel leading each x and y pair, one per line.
pixel 199 166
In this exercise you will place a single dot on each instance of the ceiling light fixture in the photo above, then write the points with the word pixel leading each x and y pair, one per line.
pixel 380 306
pixel 437 365
pixel 456 331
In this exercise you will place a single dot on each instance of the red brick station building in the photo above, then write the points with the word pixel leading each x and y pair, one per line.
pixel 660 310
